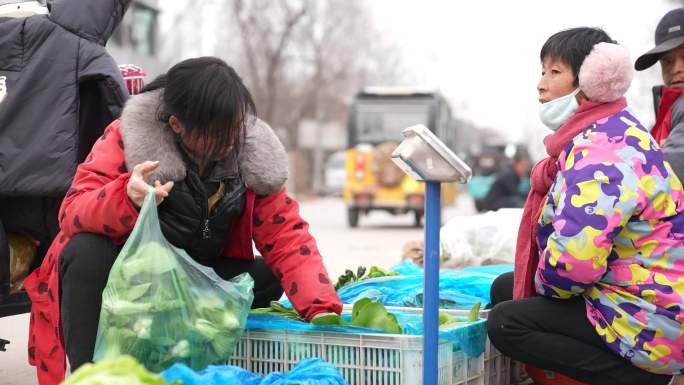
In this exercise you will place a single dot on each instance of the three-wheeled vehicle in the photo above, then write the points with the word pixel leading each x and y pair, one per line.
pixel 377 118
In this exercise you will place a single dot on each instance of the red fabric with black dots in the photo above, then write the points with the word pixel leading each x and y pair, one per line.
pixel 97 202
pixel 283 238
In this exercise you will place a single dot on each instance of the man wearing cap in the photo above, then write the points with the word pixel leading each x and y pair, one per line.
pixel 669 50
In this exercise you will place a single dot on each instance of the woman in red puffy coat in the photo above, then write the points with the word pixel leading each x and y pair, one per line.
pixel 218 175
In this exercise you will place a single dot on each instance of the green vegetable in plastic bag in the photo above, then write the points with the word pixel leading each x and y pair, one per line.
pixel 118 371
pixel 161 307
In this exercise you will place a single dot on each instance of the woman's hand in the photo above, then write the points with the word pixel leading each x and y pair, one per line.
pixel 137 184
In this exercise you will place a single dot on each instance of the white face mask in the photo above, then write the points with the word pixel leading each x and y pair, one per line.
pixel 556 112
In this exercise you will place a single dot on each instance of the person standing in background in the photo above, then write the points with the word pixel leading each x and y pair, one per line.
pixel 506 191
pixel 669 51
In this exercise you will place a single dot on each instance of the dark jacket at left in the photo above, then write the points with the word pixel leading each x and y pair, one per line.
pixel 63 89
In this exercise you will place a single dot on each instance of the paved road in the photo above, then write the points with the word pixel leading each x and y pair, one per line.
pixel 377 241
pixel 14 369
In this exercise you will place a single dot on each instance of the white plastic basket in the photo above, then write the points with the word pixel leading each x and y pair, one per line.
pixel 362 359
pixel 497 367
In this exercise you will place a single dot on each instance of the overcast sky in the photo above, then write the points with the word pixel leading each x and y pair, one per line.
pixel 484 55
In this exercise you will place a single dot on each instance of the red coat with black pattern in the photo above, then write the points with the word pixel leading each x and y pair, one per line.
pixel 97 202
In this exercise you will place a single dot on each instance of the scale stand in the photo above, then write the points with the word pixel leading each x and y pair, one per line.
pixel 423 157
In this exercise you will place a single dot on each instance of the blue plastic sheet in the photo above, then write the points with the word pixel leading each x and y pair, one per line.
pixel 311 371
pixel 470 338
pixel 212 375
pixel 410 268
pixel 458 289
pixel 276 322
pixel 467 337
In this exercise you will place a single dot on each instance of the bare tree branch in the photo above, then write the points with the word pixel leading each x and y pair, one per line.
pixel 250 54
pixel 302 59
pixel 275 59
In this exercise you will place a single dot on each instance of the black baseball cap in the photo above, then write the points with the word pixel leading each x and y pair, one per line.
pixel 669 34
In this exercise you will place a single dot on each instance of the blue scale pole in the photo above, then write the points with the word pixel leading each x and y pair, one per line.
pixel 433 212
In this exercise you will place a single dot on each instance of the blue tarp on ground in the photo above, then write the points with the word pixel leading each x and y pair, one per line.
pixel 311 371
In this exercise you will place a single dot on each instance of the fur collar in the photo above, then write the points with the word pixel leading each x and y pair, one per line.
pixel 262 163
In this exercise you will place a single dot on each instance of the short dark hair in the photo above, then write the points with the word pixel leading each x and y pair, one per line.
pixel 209 98
pixel 573 45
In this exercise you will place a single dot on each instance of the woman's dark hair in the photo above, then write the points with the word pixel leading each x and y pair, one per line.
pixel 209 99
pixel 573 45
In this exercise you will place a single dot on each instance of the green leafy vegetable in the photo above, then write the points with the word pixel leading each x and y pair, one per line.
pixel 278 309
pixel 374 315
pixel 447 321
pixel 349 276
pixel 377 272
pixel 474 312
pixel 124 308
pixel 224 342
pixel 157 261
pixel 328 319
pixel 134 293
pixel 365 313
pixel 358 305
pixel 360 271
pixel 444 318
pixel 143 328
pixel 205 329
pixel 345 279
pixel 181 349
pixel 123 370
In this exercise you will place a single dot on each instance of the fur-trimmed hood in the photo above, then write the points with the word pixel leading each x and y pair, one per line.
pixel 263 162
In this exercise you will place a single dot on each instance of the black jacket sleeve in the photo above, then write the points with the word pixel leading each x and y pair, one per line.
pixel 504 192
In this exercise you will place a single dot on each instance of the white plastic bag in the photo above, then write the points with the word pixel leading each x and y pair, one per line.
pixel 475 240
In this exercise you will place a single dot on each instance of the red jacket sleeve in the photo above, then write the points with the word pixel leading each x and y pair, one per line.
pixel 283 238
pixel 97 201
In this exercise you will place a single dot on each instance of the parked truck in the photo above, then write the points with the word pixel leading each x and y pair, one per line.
pixel 377 118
